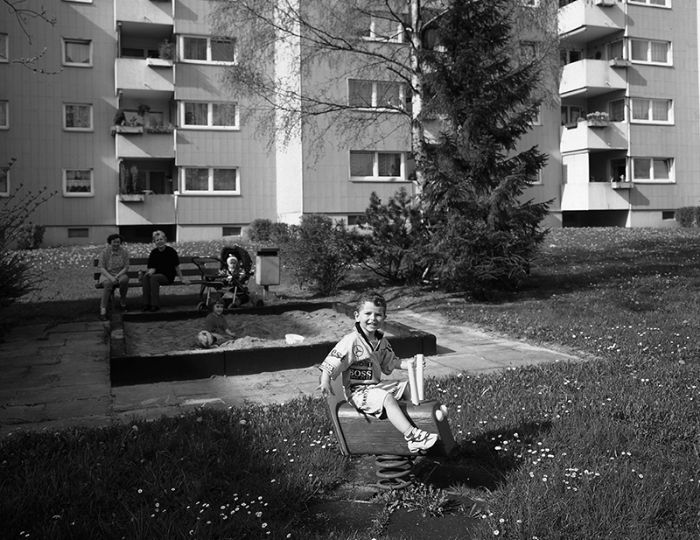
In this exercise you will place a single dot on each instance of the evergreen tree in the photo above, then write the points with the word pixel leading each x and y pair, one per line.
pixel 482 234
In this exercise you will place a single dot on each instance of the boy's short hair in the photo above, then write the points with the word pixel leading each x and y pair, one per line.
pixel 373 297
pixel 219 301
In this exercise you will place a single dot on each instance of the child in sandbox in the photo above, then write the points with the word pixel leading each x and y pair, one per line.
pixel 361 357
pixel 217 324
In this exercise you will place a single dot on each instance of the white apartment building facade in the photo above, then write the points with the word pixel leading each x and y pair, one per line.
pixel 135 129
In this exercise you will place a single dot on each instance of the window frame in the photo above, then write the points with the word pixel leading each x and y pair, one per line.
pixel 4 44
pixel 5 104
pixel 647 3
pixel 374 107
pixel 650 112
pixel 210 116
pixel 65 62
pixel 375 177
pixel 652 179
pixel 611 104
pixel 64 184
pixel 210 178
pixel 371 34
pixel 208 60
pixel 6 172
pixel 648 61
pixel 78 129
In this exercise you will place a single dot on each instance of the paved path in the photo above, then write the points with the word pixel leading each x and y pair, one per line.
pixel 58 376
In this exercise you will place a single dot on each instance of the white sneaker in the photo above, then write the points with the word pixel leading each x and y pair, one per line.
pixel 418 440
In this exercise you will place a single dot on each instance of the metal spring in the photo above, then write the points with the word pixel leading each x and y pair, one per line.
pixel 393 471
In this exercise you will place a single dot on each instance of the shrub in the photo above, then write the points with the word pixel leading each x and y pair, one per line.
pixel 30 236
pixel 319 253
pixel 688 216
pixel 15 272
pixel 393 249
pixel 260 230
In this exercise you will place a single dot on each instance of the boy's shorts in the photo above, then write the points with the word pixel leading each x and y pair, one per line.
pixel 369 398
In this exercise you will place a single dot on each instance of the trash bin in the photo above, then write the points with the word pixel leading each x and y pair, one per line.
pixel 267 267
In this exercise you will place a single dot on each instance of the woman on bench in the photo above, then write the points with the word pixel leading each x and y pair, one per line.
pixel 114 265
pixel 163 264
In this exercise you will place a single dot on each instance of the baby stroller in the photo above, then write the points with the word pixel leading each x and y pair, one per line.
pixel 236 267
pixel 210 270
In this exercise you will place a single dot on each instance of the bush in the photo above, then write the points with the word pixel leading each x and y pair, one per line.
pixel 30 236
pixel 319 253
pixel 260 230
pixel 394 248
pixel 688 216
pixel 15 233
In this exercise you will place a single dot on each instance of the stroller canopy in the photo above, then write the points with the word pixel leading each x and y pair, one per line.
pixel 241 254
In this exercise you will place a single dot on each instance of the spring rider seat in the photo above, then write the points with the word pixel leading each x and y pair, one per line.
pixel 360 434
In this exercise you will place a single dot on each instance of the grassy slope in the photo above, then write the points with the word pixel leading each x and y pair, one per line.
pixel 607 448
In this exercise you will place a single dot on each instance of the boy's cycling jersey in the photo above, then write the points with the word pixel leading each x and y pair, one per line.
pixel 358 361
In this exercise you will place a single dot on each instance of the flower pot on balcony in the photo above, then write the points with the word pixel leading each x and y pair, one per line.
pixel 132 197
pixel 598 123
pixel 619 63
pixel 127 130
pixel 621 185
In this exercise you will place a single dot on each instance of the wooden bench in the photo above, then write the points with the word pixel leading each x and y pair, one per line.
pixel 138 264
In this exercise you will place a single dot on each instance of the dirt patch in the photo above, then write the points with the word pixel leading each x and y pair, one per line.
pixel 252 331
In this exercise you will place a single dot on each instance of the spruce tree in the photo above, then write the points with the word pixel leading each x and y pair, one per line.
pixel 483 235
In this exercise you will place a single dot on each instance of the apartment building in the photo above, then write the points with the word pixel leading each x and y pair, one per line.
pixel 125 116
pixel 629 111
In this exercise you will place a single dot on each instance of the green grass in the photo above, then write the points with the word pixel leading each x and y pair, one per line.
pixel 606 448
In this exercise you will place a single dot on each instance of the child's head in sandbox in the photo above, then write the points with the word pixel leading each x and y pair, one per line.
pixel 218 306
pixel 370 312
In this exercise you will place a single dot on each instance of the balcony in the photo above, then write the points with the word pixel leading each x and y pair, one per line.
pixel 147 145
pixel 590 78
pixel 141 12
pixel 134 77
pixel 594 138
pixel 584 21
pixel 594 196
pixel 153 209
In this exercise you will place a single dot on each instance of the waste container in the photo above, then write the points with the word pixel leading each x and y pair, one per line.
pixel 267 266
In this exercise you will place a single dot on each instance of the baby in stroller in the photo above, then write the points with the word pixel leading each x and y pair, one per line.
pixel 236 269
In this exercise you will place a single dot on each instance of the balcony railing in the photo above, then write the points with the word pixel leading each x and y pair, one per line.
pixel 147 145
pixel 133 76
pixel 583 21
pixel 593 196
pixel 138 11
pixel 587 137
pixel 588 78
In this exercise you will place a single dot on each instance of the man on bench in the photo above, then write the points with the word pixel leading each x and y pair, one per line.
pixel 163 264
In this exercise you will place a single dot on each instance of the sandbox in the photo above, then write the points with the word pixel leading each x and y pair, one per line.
pixel 161 346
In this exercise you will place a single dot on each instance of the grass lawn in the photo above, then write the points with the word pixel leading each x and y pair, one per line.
pixel 608 448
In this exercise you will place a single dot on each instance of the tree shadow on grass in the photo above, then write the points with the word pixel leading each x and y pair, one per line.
pixel 477 464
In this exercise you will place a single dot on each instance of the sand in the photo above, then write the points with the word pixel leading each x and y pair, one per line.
pixel 252 331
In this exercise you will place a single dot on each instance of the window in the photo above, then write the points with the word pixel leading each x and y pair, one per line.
pixel 668 214
pixel 210 180
pixel 4 181
pixel 537 118
pixel 528 51
pixel 616 110
pixel 616 49
pixel 390 166
pixel 77 183
pixel 568 56
pixel 77 117
pixel 4 53
pixel 209 115
pixel 231 231
pixel 77 52
pixel 655 111
pixel 210 50
pixel 570 115
pixel 659 3
pixel 383 27
pixel 4 115
pixel 376 94
pixel 78 232
pixel 651 52
pixel 652 169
